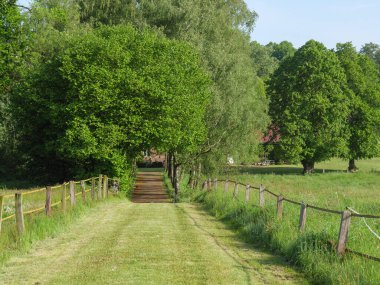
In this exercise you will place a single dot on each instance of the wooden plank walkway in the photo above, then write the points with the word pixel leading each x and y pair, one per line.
pixel 150 188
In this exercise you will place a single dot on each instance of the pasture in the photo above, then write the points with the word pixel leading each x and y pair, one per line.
pixel 313 249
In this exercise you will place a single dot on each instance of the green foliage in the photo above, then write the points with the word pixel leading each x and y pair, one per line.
pixel 364 118
pixel 263 60
pixel 282 50
pixel 266 59
pixel 372 50
pixel 238 104
pixel 13 39
pixel 108 95
pixel 309 105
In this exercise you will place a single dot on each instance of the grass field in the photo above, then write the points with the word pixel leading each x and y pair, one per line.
pixel 333 189
pixel 119 242
pixel 37 225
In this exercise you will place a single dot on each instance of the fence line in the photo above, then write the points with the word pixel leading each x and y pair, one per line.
pixel 363 255
pixel 324 210
pixel 102 187
pixel 345 215
pixel 370 229
pixel 33 191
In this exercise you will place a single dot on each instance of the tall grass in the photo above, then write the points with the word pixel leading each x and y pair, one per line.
pixel 312 250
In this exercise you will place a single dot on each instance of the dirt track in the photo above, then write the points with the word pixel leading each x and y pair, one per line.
pixel 150 188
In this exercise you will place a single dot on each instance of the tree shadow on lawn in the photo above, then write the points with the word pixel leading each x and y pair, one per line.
pixel 13 184
pixel 277 170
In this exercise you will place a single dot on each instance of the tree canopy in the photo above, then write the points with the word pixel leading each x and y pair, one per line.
pixel 13 42
pixel 263 60
pixel 372 50
pixel 107 96
pixel 219 30
pixel 364 118
pixel 309 105
pixel 281 50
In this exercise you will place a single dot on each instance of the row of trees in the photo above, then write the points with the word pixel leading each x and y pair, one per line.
pixel 323 103
pixel 97 82
pixel 87 85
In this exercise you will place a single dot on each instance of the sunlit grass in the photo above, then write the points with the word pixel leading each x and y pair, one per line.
pixel 38 226
pixel 334 189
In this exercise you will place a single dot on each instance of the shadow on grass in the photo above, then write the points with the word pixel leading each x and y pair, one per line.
pixel 276 170
pixel 13 184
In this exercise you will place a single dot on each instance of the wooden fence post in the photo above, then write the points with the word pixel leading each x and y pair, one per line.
pixel 19 214
pixel 63 197
pixel 48 201
pixel 226 186
pixel 72 193
pixel 83 188
pixel 93 189
pixel 302 221
pixel 100 187
pixel 280 200
pixel 209 186
pixel 247 190
pixel 215 183
pixel 261 195
pixel 105 186
pixel 204 185
pixel 343 232
pixel 236 190
pixel 1 210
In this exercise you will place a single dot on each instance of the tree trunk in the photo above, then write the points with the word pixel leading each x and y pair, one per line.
pixel 351 166
pixel 173 170
pixel 177 181
pixel 198 174
pixel 192 177
pixel 166 162
pixel 308 166
pixel 169 164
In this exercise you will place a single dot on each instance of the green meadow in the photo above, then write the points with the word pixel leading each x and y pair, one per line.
pixel 313 250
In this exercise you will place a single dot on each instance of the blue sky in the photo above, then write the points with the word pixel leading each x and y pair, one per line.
pixel 327 21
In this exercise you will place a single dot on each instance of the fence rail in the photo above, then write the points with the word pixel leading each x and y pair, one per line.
pixel 19 212
pixel 346 215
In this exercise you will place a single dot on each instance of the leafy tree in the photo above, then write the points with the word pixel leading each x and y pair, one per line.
pixel 309 105
pixel 263 61
pixel 107 96
pixel 237 110
pixel 281 50
pixel 13 39
pixel 373 52
pixel 364 117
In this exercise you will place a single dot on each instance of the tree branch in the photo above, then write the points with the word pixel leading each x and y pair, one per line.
pixel 23 7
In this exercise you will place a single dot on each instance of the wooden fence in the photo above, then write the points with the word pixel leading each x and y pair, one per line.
pixel 345 220
pixel 94 188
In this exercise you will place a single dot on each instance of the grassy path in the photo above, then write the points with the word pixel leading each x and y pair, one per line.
pixel 120 242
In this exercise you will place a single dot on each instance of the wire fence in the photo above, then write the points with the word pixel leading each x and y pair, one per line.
pixel 23 203
pixel 346 215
